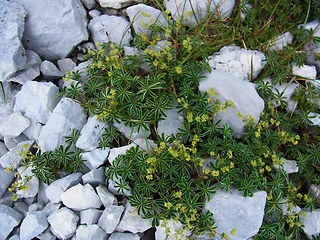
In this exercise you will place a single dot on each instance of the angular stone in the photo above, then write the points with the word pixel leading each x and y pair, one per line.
pixel 90 4
pixel 9 218
pixel 126 131
pixel 115 152
pixel 13 142
pixel 82 68
pixel 232 210
pixel 95 158
pixel 305 71
pixel 280 42
pixel 51 207
pixel 289 166
pixel 63 223
pixel 198 9
pixel 66 116
pixel 110 218
pixel 22 208
pixel 243 95
pixel 286 210
pixel 41 197
pixel 56 188
pixel 37 206
pixel 116 3
pixel 123 236
pixel 47 30
pixel 243 63
pixel 311 223
pixel 116 190
pixel 81 197
pixel 106 197
pixel 33 183
pixel 103 29
pixel 36 100
pixel 14 125
pixel 46 235
pixel 314 118
pixel 94 13
pixel 65 65
pixel 3 149
pixel 174 227
pixel 94 177
pixel 13 57
pixel 50 71
pixel 5 180
pixel 90 232
pixel 171 123
pixel 90 216
pixel 32 225
pixel 91 134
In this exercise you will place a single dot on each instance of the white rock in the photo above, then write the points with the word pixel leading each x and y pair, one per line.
pixel 90 232
pixel 41 197
pixel 110 218
pixel 126 131
pixel 116 3
pixel 36 100
pixel 243 63
pixel 242 93
pixel 37 206
pixel 116 190
pixel 66 64
pixel 9 218
pixel 14 125
pixel 280 42
pixel 115 152
pixel 56 188
pixel 142 143
pixel 133 222
pixel 94 13
pixel 172 122
pixel 311 223
pixel 123 236
pixel 286 210
pixel 13 157
pixel 198 9
pixel 48 25
pixel 105 196
pixel 5 180
pixel 174 226
pixel 13 56
pixel 46 235
pixel 81 197
pixel 33 183
pixel 94 177
pixel 66 116
pixel 3 149
pixel 13 142
pixel 50 71
pixel 90 216
pixel 82 68
pixel 33 224
pixel 110 29
pixel 289 166
pixel 89 3
pixel 314 118
pixel 136 17
pixel 51 207
pixel 232 210
pixel 63 223
pixel 91 134
pixel 305 71
pixel 95 158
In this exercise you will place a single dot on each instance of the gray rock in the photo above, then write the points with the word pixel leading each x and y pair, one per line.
pixel 14 237
pixel 13 142
pixel 63 223
pixel 22 208
pixel 286 210
pixel 116 3
pixel 6 199
pixel 32 225
pixel 243 63
pixel 56 188
pixel 314 118
pixel 172 122
pixel 242 93
pixel 82 68
pixel 90 232
pixel 41 197
pixel 91 134
pixel 133 222
pixel 311 223
pixel 46 235
pixel 94 13
pixel 126 131
pixel 36 100
pixel 33 183
pixel 90 216
pixel 65 65
pixel 94 177
pixel 14 125
pixel 13 57
pixel 232 210
pixel 50 71
pixel 123 236
pixel 110 218
pixel 33 131
pixel 47 30
pixel 3 149
pixel 198 9
pixel 105 196
pixel 305 71
pixel 66 116
pixel 280 42
pixel 5 180
pixel 103 29
pixel 95 158
pixel 37 206
pixel 89 4
pixel 142 143
pixel 13 157
pixel 115 152
pixel 116 190
pixel 81 197
pixel 51 207
pixel 175 227
pixel 9 218
pixel 289 166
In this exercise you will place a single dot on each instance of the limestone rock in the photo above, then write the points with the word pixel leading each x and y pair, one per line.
pixel 51 207
pixel 21 207
pixel 105 196
pixel 314 118
pixel 46 235
pixel 95 158
pixel 5 180
pixel 50 71
pixel 115 152
pixel 286 210
pixel 32 225
pixel 289 166
pixel 65 65
pixel 174 227
pixel 116 3
pixel 116 190
pixel 13 142
pixel 90 232
pixel 33 183
pixel 123 236
pixel 280 42
pixel 9 218
pixel 305 71
pixel 94 177
pixel 171 123
pixel 126 131
pixel 12 56
pixel 90 4
pixel 110 218
pixel 14 125
pixel 47 30
pixel 37 206
pixel 90 216
pixel 311 223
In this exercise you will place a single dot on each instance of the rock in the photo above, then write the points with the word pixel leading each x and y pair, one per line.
pixel 82 68
pixel 13 142
pixel 6 199
pixel 56 188
pixel 63 223
pixel 38 206
pixel 305 71
pixel 123 236
pixel 22 208
pixel 33 224
pixel 50 71
pixel 174 227
pixel 311 223
pixel 46 235
pixel 14 125
pixel 47 30
pixel 36 100
pixel 13 56
pixel 105 196
pixel 314 118
pixel 133 222
pixel 65 65
pixel 95 158
pixel 33 131
pixel 94 13
pixel 243 63
pixel 89 4
pixel 90 232
pixel 117 4
pixel 3 149
pixel 171 123
pixel 81 197
pixel 91 134
pixel 110 218
pixel 13 157
pixel 33 183
pixel 142 143
pixel 289 166
pixel 5 180
pixel 243 95
pixel 115 152
pixel 286 210
pixel 116 190
pixel 51 207
pixel 14 237
pixel 66 116
pixel 126 131
pixel 232 210
pixel 280 42
pixel 136 17
pixel 198 9
pixel 103 29
pixel 9 218
pixel 315 191
pixel 94 177
pixel 90 216
pixel 41 197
